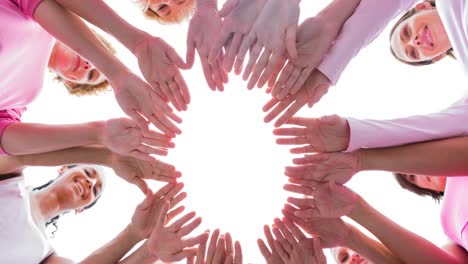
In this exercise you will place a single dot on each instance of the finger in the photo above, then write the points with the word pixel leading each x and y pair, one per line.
pixel 151 134
pixel 291 240
pixel 218 45
pixel 259 67
pixel 141 184
pixel 281 252
pixel 180 81
pixel 292 141
pixel 174 57
pixel 162 215
pixel 253 56
pixel 174 213
pixel 159 92
pixel 230 56
pixel 311 184
pixel 320 257
pixel 217 75
pixel 290 131
pixel 174 118
pixel 298 234
pixel 268 236
pixel 212 246
pixel 192 241
pixel 290 112
pixel 284 76
pixel 142 155
pixel 184 253
pixel 179 198
pixel 244 47
pixel 228 7
pixel 172 192
pixel 305 149
pixel 238 253
pixel 176 92
pixel 170 131
pixel 308 213
pixel 201 251
pixel 263 248
pixel 270 104
pixel 148 150
pixel 301 80
pixel 157 143
pixel 290 83
pixel 291 40
pixel 191 260
pixel 187 229
pixel 302 203
pixel 219 252
pixel 223 73
pixel 167 92
pixel 229 248
pixel 147 202
pixel 276 72
pixel 191 45
pixel 208 73
pixel 278 109
pixel 135 116
pixel 181 221
pixel 283 244
pixel 276 61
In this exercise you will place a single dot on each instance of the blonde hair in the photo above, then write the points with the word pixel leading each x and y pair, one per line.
pixel 184 12
pixel 79 89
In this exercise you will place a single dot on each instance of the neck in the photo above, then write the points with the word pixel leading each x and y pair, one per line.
pixel 44 206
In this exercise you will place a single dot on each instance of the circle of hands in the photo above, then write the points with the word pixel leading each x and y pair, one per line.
pixel 282 55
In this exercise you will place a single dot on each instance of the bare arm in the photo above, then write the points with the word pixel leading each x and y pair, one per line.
pixel 445 157
pixel 27 138
pixel 410 247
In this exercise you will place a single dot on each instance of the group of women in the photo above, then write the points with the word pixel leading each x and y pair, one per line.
pixel 298 62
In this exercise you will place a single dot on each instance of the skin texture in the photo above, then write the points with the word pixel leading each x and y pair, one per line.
pixel 421 37
pixel 71 67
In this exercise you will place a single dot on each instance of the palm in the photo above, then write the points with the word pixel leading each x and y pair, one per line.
pixel 306 252
pixel 122 135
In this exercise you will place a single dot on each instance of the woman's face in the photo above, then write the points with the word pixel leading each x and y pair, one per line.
pixel 421 37
pixel 427 182
pixel 72 68
pixel 78 187
pixel 344 255
pixel 168 8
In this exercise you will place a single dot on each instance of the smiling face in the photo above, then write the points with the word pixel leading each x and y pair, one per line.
pixel 72 68
pixel 78 187
pixel 344 255
pixel 169 11
pixel 421 37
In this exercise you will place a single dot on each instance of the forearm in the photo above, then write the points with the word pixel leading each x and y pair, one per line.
pixel 140 256
pixel 27 138
pixel 336 13
pixel 73 32
pixel 98 13
pixel 371 249
pixel 113 251
pixel 409 247
pixel 445 157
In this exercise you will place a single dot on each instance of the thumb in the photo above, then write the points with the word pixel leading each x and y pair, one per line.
pixel 291 40
pixel 190 56
pixel 174 57
pixel 140 183
pixel 146 203
pixel 228 7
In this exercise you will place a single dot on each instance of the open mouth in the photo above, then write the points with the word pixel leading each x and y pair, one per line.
pixel 427 37
pixel 78 62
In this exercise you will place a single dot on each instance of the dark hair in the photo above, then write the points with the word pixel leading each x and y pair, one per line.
pixel 54 219
pixel 407 15
pixel 405 184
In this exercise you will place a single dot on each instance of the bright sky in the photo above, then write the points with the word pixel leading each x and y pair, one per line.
pixel 232 168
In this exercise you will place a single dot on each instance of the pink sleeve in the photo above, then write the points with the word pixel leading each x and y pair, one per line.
pixel 368 20
pixel 27 6
pixel 450 122
pixel 8 117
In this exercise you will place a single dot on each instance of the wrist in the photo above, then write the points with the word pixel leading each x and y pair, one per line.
pixel 359 161
pixel 97 128
pixel 207 4
pixel 136 40
pixel 358 208
pixel 132 235
pixel 147 253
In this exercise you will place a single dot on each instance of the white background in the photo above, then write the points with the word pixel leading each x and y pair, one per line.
pixel 232 168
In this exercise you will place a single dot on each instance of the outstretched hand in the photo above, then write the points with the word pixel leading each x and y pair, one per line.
pixel 273 36
pixel 294 247
pixel 321 167
pixel 239 16
pixel 141 103
pixel 160 65
pixel 313 41
pixel 314 88
pixel 270 253
pixel 203 30
pixel 220 250
pixel 169 243
pixel 322 199
pixel 324 134
pixel 123 136
pixel 135 170
pixel 147 213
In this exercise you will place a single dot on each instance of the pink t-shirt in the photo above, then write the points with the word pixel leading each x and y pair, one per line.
pixel 24 53
pixel 454 213
pixel 21 240
pixel 8 117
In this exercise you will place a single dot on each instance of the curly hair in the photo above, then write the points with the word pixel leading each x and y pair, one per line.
pixel 405 184
pixel 183 13
pixel 79 89
pixel 403 18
